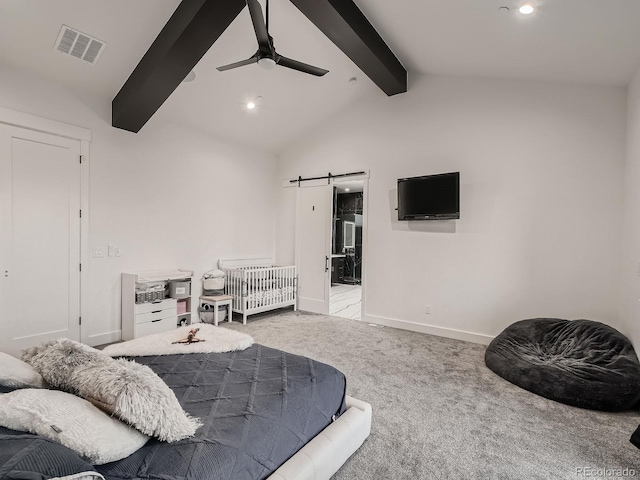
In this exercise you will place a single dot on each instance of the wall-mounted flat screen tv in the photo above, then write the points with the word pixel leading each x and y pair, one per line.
pixel 432 197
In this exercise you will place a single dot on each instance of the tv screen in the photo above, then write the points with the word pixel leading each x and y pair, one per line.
pixel 433 197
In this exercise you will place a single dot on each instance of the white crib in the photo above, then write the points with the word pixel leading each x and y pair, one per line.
pixel 257 285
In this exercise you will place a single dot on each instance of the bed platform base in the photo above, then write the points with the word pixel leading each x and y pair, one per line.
pixel 329 450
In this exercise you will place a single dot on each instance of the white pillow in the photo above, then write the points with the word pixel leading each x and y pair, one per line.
pixel 15 373
pixel 129 390
pixel 71 421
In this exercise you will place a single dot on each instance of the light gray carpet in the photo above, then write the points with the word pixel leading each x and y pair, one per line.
pixel 439 413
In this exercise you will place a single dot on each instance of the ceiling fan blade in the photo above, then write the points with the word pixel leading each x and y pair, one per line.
pixel 259 25
pixel 242 63
pixel 301 67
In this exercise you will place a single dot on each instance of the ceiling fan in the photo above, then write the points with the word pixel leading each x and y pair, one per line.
pixel 266 56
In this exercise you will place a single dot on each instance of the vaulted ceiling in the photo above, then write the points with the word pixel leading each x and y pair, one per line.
pixel 577 41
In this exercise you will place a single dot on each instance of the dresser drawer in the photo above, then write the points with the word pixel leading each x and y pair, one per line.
pixel 157 326
pixel 154 306
pixel 156 315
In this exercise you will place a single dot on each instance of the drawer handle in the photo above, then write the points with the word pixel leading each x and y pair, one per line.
pixel 157 301
pixel 157 311
pixel 154 321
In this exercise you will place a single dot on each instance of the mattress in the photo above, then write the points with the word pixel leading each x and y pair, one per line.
pixel 31 457
pixel 259 407
pixel 262 296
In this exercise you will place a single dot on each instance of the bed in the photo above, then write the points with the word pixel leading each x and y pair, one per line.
pixel 266 413
pixel 257 285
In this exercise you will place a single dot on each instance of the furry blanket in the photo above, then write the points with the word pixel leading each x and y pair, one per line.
pixel 216 340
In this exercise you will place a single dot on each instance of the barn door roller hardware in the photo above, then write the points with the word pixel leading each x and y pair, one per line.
pixel 328 176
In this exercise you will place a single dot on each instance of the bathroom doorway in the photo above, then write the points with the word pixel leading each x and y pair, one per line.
pixel 346 250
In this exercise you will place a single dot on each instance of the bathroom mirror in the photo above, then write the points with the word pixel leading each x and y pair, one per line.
pixel 349 234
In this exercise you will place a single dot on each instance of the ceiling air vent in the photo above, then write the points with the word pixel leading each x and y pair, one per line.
pixel 79 45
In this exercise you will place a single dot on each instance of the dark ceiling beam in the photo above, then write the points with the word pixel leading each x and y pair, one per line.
pixel 192 29
pixel 348 28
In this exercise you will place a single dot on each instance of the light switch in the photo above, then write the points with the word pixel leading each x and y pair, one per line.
pixel 111 250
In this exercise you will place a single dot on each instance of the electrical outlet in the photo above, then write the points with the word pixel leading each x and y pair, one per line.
pixel 118 252
pixel 427 310
pixel 98 252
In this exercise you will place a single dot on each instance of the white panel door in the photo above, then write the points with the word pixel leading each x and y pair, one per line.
pixel 313 247
pixel 39 238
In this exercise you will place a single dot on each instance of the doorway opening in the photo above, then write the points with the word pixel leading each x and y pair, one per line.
pixel 346 249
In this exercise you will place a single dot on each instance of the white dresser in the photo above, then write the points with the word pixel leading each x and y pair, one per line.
pixel 156 315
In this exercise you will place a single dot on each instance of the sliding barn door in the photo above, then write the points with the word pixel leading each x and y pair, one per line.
pixel 313 247
pixel 39 238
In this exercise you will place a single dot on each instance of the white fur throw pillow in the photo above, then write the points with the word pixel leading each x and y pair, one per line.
pixel 15 373
pixel 70 421
pixel 126 389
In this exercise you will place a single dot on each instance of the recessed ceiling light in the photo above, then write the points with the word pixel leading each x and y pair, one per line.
pixel 252 104
pixel 347 189
pixel 526 9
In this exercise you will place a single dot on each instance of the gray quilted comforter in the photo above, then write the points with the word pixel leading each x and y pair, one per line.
pixel 259 407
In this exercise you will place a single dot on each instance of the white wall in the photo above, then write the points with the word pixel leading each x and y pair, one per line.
pixel 630 272
pixel 541 177
pixel 167 197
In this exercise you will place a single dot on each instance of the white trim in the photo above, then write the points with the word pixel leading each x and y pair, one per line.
pixel 428 329
pixel 365 245
pixel 45 125
pixel 85 257
pixel 102 338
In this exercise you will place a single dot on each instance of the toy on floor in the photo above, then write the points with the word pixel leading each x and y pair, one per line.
pixel 191 337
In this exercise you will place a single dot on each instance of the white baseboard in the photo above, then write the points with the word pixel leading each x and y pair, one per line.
pixel 102 338
pixel 429 329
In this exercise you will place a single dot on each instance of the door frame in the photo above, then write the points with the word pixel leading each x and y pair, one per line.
pixel 365 230
pixel 53 127
pixel 365 240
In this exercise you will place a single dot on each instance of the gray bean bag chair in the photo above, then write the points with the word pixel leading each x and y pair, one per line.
pixel 581 363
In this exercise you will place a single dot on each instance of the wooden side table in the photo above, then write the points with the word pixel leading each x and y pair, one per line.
pixel 218 301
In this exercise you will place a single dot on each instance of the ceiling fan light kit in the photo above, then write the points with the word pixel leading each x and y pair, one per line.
pixel 266 57
pixel 267 63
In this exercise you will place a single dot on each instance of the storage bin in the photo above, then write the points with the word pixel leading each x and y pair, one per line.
pixel 182 306
pixel 145 293
pixel 213 280
pixel 184 320
pixel 206 314
pixel 179 288
pixel 213 283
